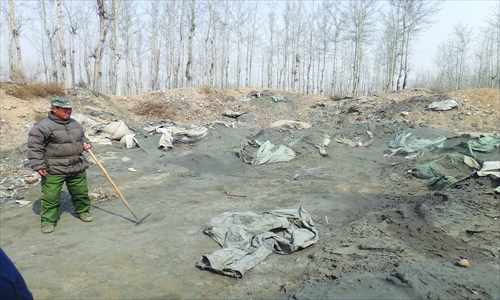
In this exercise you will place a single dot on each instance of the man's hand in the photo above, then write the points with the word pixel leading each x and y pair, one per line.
pixel 86 147
pixel 43 172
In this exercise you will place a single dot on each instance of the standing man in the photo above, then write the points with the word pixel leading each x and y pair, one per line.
pixel 55 150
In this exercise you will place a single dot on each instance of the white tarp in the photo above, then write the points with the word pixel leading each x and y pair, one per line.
pixel 491 168
pixel 257 153
pixel 443 105
pixel 248 238
pixel 173 134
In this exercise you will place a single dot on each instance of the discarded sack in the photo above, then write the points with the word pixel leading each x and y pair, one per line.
pixel 117 130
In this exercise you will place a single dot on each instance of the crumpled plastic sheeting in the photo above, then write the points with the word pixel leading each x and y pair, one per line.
pixel 443 105
pixel 248 238
pixel 407 144
pixel 491 168
pixel 257 153
pixel 446 169
pixel 130 141
pixel 173 134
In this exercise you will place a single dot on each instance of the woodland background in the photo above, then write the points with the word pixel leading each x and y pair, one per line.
pixel 346 48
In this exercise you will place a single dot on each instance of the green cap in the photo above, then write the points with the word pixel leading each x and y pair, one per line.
pixel 61 102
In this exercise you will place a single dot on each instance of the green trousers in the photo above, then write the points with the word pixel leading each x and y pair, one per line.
pixel 51 196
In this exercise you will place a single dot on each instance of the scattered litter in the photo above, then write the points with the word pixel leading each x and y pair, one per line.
pixel 31 179
pixel 347 141
pixel 232 114
pixel 132 170
pixel 289 124
pixel 104 141
pixel 443 105
pixel 23 202
pixel 278 98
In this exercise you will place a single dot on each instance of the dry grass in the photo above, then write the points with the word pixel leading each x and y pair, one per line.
pixel 154 110
pixel 338 97
pixel 101 194
pixel 30 91
pixel 207 90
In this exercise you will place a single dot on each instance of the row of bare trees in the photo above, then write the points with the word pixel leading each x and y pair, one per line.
pixel 328 47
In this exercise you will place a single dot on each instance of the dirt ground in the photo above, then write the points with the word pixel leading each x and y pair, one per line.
pixel 383 233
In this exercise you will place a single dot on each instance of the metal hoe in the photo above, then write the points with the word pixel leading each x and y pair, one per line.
pixel 117 190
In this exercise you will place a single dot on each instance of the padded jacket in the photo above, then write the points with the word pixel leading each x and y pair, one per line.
pixel 57 145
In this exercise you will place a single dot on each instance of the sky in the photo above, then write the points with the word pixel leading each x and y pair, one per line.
pixel 470 12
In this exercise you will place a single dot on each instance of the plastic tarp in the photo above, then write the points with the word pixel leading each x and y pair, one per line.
pixel 289 124
pixel 172 133
pixel 485 144
pixel 411 146
pixel 461 161
pixel 248 238
pixel 129 141
pixel 491 168
pixel 257 153
pixel 443 105
pixel 446 169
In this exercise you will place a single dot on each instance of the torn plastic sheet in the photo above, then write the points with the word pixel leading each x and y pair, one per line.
pixel 248 238
pixel 411 146
pixel 130 141
pixel 174 133
pixel 491 168
pixel 257 153
pixel 443 105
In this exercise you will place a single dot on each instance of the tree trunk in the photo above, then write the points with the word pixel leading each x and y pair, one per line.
pixel 192 27
pixel 16 69
pixel 116 49
pixel 96 82
pixel 62 47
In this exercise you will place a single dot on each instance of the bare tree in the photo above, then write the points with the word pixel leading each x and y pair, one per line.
pixel 115 48
pixel 96 82
pixel 226 30
pixel 334 30
pixel 192 28
pixel 209 43
pixel 155 49
pixel 462 35
pixel 489 51
pixel 251 44
pixel 73 28
pixel 127 37
pixel 62 47
pixel 46 32
pixel 271 48
pixel 16 66
pixel 389 42
pixel 360 16
pixel 415 15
